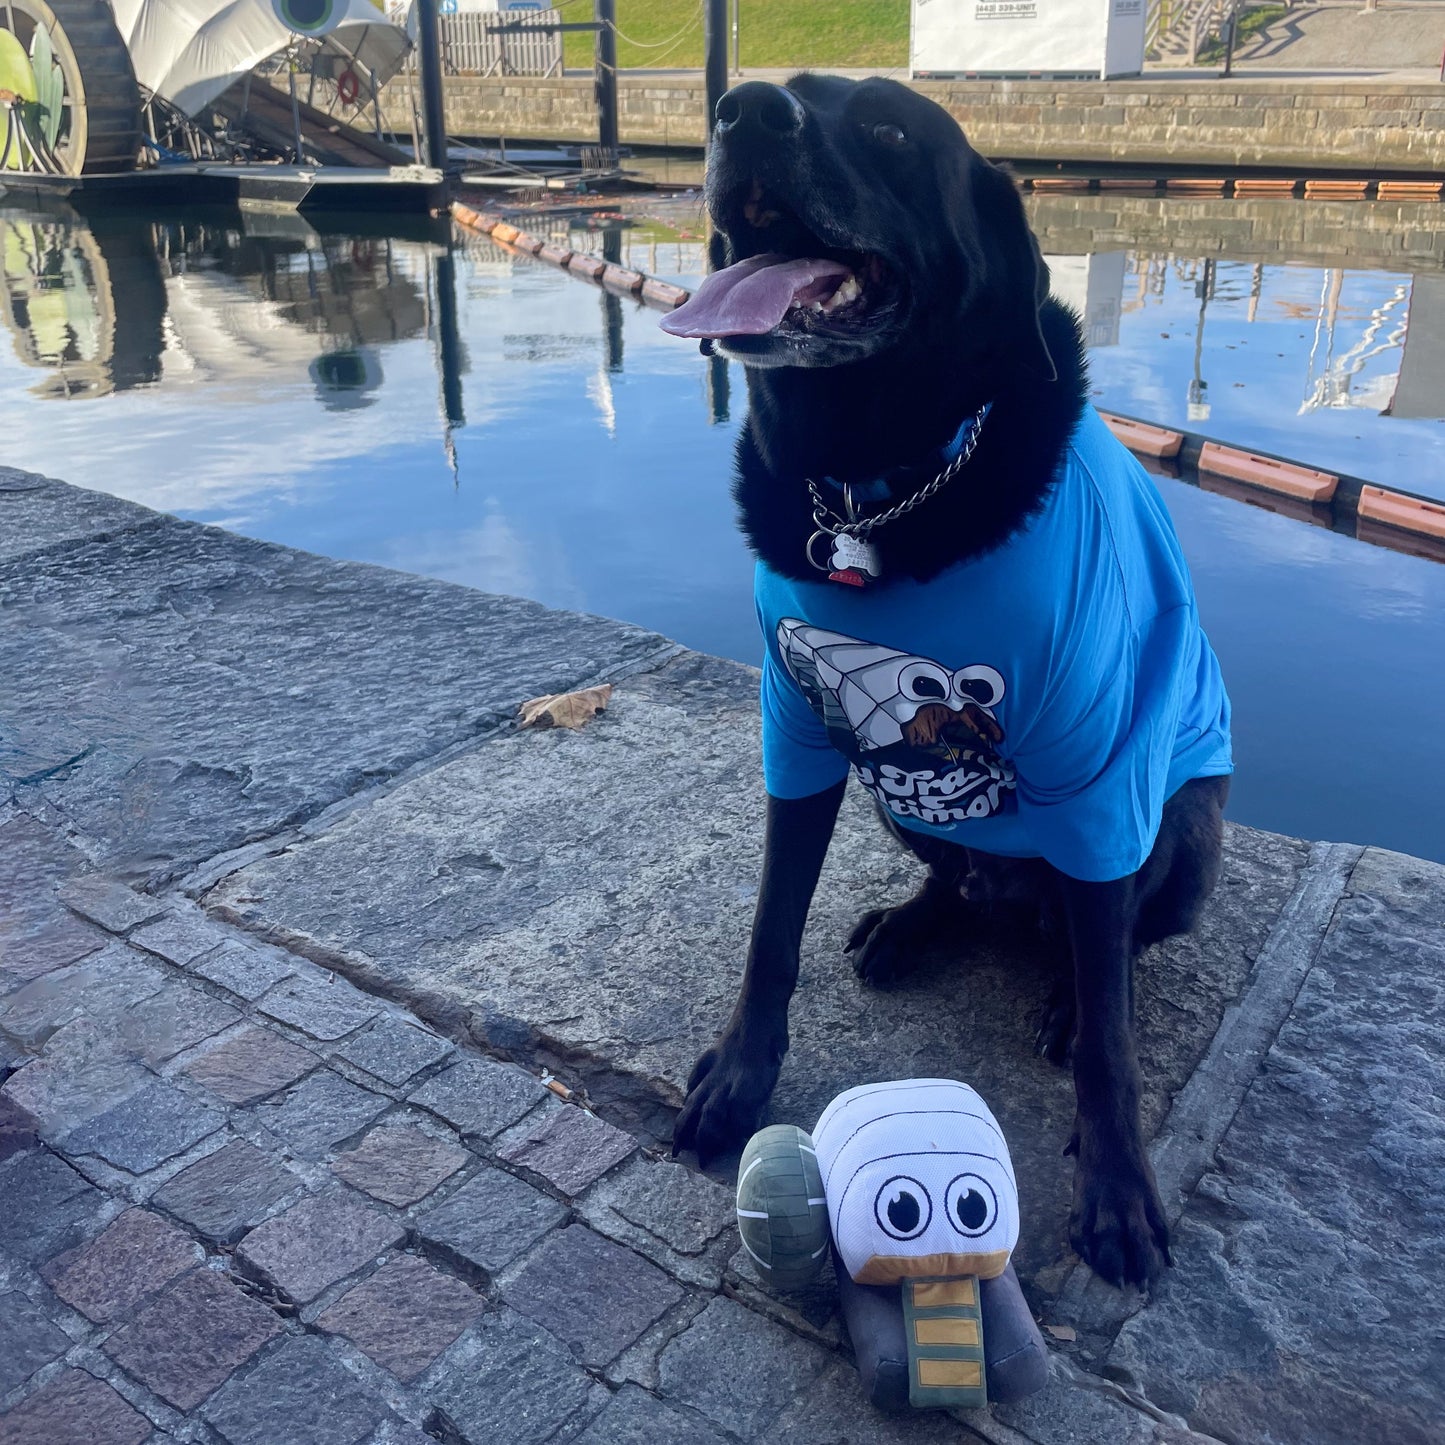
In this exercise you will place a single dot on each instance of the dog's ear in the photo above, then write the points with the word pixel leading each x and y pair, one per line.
pixel 1015 259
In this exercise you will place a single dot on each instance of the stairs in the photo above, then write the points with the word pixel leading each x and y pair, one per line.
pixel 1175 30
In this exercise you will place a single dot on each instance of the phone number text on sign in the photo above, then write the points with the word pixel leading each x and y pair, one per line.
pixel 1006 10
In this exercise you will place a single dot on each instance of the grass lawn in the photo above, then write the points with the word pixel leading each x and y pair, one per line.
pixel 801 33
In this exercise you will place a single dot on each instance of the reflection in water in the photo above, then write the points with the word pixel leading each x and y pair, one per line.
pixel 492 421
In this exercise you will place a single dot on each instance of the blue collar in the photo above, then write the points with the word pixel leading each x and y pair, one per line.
pixel 878 489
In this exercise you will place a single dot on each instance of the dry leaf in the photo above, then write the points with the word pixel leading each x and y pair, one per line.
pixel 1062 1332
pixel 565 709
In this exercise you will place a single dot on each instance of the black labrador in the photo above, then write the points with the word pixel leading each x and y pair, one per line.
pixel 947 308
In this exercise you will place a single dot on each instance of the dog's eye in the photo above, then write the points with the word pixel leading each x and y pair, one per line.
pixel 903 1208
pixel 888 134
pixel 923 680
pixel 972 1205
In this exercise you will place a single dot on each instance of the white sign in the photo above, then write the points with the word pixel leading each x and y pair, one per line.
pixel 1023 38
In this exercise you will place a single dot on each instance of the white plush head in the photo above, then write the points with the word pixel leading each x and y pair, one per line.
pixel 918 1180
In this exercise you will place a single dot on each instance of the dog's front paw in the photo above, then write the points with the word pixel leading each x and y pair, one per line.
pixel 884 945
pixel 1055 1038
pixel 729 1088
pixel 1117 1224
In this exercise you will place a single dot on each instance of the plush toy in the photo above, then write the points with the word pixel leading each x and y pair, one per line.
pixel 916 1181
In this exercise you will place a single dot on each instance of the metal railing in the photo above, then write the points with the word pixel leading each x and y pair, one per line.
pixel 474 43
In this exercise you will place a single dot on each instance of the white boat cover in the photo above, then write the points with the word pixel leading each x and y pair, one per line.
pixel 189 51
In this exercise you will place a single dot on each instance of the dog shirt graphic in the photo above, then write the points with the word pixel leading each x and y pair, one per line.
pixel 922 738
pixel 1041 701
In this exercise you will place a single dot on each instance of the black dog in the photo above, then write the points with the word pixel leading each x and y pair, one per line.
pixel 893 316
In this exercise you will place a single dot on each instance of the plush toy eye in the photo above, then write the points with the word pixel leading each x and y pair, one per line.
pixel 903 1208
pixel 889 135
pixel 972 1205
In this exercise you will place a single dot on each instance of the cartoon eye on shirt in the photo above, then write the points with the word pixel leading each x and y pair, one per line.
pixel 884 697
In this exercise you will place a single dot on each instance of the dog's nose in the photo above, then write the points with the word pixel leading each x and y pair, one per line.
pixel 757 105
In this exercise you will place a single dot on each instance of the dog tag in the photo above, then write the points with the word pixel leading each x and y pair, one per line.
pixel 852 554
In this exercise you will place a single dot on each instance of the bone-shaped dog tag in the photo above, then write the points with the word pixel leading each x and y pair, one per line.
pixel 851 553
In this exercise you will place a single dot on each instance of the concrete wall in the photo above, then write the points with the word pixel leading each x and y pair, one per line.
pixel 1355 125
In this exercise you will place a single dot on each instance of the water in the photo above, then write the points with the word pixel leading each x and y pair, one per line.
pixel 290 387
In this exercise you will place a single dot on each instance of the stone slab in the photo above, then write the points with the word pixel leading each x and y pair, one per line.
pixel 316 1244
pixel 399 1165
pixel 83 1070
pixel 404 1315
pixel 320 1113
pixel 517 1384
pixel 40 514
pixel 250 1065
pixel 134 1256
pixel 612 929
pixel 325 1009
pixel 1302 1304
pixel 179 938
pixel 110 904
pixel 17 1126
pixel 28 1340
pixel 681 1219
pixel 299 1395
pixel 484 1225
pixel 221 689
pixel 480 1097
pixel 393 1050
pixel 171 1021
pixel 226 1193
pixel 738 1369
pixel 190 1339
pixel 48 1207
pixel 246 972
pixel 834 1409
pixel 594 1295
pixel 44 946
pixel 570 1149
pixel 74 1406
pixel 154 1124
pixel 633 1417
pixel 101 984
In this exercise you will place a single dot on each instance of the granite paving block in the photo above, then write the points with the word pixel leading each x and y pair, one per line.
pixel 404 1315
pixel 97 987
pixel 44 946
pixel 633 1417
pixel 301 1394
pixel 833 1409
pixel 480 1096
pixel 316 1244
pixel 74 1407
pixel 1310 1260
pixel 592 1294
pixel 323 1010
pixel 246 972
pixel 38 514
pixel 320 1113
pixel 224 1194
pixel 571 1149
pixel 1067 1413
pixel 188 1340
pixel 737 1368
pixel 393 1050
pixel 399 1165
pixel 672 1214
pixel 175 1019
pixel 250 1065
pixel 28 1340
pixel 224 689
pixel 109 903
pixel 180 938
pixel 17 1128
pixel 483 1226
pixel 83 1070
pixel 611 927
pixel 518 1385
pixel 47 1207
pixel 154 1124
pixel 134 1256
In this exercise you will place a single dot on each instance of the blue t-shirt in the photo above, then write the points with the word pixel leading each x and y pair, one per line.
pixel 1043 701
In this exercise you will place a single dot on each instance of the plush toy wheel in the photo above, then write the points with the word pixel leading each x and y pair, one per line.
pixel 782 1215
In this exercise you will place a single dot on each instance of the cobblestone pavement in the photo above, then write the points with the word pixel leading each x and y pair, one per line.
pixel 246 1202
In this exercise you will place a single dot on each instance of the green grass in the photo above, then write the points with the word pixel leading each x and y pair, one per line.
pixel 802 33
pixel 1250 23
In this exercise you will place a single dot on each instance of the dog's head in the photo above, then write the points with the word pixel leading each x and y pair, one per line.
pixel 853 219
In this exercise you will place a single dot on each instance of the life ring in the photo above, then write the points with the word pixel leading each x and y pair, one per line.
pixel 348 87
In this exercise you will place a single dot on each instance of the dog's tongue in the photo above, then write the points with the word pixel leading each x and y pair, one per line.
pixel 752 297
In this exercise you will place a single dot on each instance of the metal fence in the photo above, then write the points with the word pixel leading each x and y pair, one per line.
pixel 474 43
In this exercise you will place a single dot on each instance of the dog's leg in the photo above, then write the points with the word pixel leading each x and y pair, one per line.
pixel 886 942
pixel 1117 1223
pixel 732 1081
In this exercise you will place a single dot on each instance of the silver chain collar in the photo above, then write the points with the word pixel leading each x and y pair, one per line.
pixel 852 526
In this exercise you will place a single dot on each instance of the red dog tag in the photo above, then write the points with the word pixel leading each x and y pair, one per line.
pixel 849 576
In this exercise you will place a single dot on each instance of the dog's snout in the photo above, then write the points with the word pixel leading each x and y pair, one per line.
pixel 758 105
